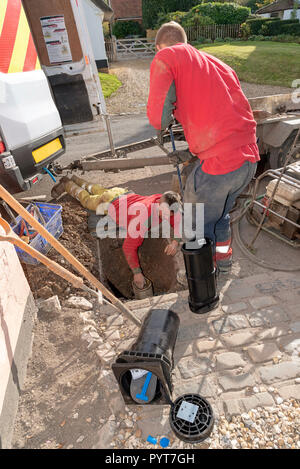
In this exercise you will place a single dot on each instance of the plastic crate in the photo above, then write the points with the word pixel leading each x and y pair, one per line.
pixel 52 216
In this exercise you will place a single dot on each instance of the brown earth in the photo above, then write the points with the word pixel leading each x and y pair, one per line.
pixel 78 241
pixel 158 267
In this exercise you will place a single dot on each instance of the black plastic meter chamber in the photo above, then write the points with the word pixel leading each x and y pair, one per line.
pixel 201 277
pixel 144 377
pixel 153 353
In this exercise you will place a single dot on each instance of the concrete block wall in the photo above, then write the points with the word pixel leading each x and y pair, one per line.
pixel 17 315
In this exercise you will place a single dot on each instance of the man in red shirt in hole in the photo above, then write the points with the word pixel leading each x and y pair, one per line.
pixel 141 216
pixel 205 96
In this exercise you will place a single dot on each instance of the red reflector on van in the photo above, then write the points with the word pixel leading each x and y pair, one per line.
pixel 33 181
pixel 2 147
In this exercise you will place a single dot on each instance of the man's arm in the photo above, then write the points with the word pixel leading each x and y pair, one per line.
pixel 162 95
pixel 130 249
pixel 176 224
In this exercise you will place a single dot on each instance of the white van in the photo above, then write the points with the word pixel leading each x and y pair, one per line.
pixel 31 131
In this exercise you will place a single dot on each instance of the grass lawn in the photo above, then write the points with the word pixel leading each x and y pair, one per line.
pixel 109 83
pixel 266 63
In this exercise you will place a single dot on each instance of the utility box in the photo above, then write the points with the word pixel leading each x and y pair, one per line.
pixel 63 44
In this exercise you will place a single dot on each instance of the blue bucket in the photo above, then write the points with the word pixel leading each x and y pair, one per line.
pixel 52 216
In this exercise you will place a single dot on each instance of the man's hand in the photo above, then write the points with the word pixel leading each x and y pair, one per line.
pixel 171 249
pixel 179 156
pixel 139 280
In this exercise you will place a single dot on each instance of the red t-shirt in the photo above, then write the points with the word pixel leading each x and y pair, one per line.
pixel 234 160
pixel 208 101
pixel 137 214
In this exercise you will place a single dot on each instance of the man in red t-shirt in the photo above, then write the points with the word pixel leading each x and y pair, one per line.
pixel 205 96
pixel 140 217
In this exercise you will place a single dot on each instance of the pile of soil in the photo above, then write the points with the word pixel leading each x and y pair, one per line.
pixel 77 239
pixel 115 273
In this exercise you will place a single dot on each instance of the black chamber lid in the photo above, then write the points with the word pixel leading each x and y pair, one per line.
pixel 202 425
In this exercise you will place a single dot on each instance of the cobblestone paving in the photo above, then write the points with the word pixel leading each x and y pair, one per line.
pixel 244 355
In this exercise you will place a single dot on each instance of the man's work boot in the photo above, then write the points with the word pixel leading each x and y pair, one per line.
pixel 224 266
pixel 223 257
pixel 59 188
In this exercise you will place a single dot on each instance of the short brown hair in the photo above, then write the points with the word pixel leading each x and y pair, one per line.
pixel 170 34
pixel 173 199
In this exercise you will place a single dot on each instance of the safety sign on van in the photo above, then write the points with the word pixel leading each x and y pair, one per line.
pixel 56 39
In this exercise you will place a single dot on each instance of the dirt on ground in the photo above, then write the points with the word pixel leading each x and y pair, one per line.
pixel 61 403
pixel 132 97
pixel 77 239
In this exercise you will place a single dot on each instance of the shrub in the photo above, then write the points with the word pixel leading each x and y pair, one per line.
pixel 222 13
pixel 152 8
pixel 256 24
pixel 122 29
pixel 245 30
pixel 163 17
pixel 208 41
pixel 219 39
pixel 273 28
pixel 286 38
pixel 197 20
pixel 293 29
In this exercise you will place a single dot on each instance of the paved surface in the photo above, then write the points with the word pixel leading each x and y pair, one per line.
pixel 252 340
pixel 244 355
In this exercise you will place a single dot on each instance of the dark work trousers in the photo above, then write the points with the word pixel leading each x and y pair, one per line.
pixel 218 194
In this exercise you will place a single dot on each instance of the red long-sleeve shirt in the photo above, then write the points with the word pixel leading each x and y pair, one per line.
pixel 138 214
pixel 205 96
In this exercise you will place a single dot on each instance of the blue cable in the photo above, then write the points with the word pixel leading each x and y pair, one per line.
pixel 50 174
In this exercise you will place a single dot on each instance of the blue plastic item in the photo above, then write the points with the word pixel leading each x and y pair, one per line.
pixel 52 216
pixel 143 395
pixel 50 174
pixel 164 442
pixel 152 440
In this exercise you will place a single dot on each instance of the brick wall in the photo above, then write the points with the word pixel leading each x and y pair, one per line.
pixel 127 9
pixel 17 315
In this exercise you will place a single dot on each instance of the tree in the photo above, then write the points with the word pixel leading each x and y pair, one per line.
pixel 152 9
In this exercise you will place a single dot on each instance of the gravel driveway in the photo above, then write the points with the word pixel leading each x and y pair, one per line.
pixel 132 97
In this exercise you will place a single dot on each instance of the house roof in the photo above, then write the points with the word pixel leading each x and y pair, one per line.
pixel 108 12
pixel 280 5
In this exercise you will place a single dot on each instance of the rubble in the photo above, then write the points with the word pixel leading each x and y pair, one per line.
pixel 51 305
pixel 78 302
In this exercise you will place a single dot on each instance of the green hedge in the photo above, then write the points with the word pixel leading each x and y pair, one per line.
pixel 163 17
pixel 122 29
pixel 184 18
pixel 152 8
pixel 222 13
pixel 273 28
pixel 256 24
pixel 293 29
